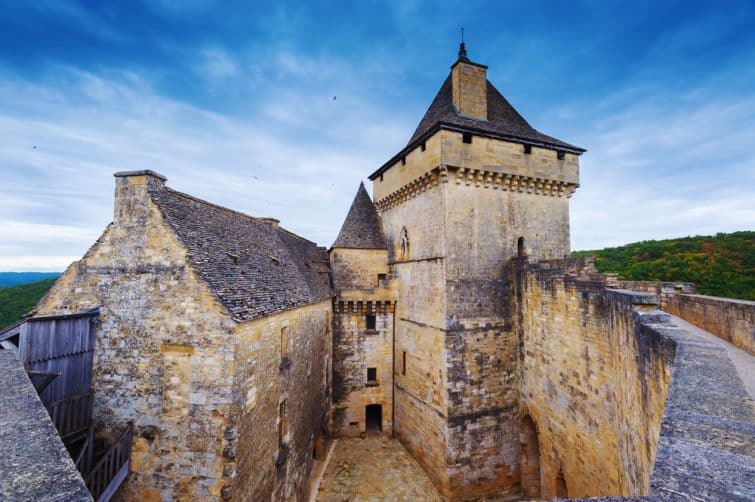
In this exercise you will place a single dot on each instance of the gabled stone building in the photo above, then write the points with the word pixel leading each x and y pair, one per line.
pixel 214 340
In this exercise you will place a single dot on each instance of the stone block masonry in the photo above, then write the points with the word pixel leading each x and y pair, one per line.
pixel 283 402
pixel 592 382
pixel 730 319
pixel 363 327
pixel 164 356
pixel 225 407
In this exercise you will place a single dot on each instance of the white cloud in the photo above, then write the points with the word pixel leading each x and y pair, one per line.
pixel 658 165
pixel 61 149
pixel 657 170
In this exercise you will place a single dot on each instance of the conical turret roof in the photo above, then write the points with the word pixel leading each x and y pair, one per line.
pixel 362 228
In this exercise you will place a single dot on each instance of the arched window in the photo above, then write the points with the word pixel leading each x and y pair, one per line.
pixel 530 464
pixel 520 250
pixel 404 240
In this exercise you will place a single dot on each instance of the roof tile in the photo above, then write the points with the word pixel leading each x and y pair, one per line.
pixel 255 268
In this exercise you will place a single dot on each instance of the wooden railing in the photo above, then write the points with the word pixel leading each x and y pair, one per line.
pixel 83 460
pixel 110 471
pixel 71 416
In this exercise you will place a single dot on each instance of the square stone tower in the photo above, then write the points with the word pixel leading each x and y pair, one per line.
pixel 475 186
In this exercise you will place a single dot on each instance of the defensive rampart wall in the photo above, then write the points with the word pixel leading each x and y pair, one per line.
pixel 594 377
pixel 728 318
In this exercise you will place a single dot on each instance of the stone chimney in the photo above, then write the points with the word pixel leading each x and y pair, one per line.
pixel 469 83
pixel 132 195
pixel 273 222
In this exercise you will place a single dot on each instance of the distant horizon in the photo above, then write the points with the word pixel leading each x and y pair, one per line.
pixel 261 110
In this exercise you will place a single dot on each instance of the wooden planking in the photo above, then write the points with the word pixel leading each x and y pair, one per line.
pixel 61 345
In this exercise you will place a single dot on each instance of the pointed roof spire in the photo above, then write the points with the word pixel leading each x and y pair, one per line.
pixel 462 48
pixel 362 228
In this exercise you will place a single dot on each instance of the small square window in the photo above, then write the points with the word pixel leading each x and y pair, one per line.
pixel 382 280
pixel 371 321
pixel 466 138
pixel 422 146
pixel 371 376
pixel 403 161
pixel 561 155
pixel 527 149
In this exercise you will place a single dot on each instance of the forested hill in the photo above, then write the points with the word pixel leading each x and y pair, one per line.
pixel 16 301
pixel 719 265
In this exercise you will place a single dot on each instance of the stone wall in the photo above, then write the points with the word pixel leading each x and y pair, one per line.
pixel 420 393
pixel 728 318
pixel 273 454
pixel 593 381
pixel 203 391
pixel 164 354
pixel 466 207
pixel 364 288
pixel 357 348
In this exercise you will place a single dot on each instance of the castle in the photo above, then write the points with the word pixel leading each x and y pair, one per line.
pixel 447 313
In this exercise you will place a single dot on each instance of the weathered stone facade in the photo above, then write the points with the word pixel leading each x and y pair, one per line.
pixel 363 321
pixel 455 209
pixel 591 380
pixel 172 358
pixel 274 453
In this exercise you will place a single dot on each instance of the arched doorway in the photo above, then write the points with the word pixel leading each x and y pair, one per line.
pixel 520 250
pixel 530 465
pixel 374 418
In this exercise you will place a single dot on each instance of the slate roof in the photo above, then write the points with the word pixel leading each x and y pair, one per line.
pixel 34 464
pixel 256 269
pixel 362 228
pixel 503 119
pixel 503 122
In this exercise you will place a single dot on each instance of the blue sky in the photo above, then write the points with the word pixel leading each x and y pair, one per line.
pixel 233 102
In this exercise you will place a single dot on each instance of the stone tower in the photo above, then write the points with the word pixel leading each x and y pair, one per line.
pixel 363 310
pixel 475 186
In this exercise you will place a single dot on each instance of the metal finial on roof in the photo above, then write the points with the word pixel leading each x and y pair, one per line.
pixel 462 47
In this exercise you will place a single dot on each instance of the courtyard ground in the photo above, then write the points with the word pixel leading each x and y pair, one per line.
pixel 371 469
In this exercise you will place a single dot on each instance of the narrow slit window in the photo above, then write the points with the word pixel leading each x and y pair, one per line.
pixel 282 423
pixel 371 321
pixel 403 362
pixel 423 147
pixel 284 342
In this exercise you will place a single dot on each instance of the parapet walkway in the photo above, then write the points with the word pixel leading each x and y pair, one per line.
pixel 706 449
